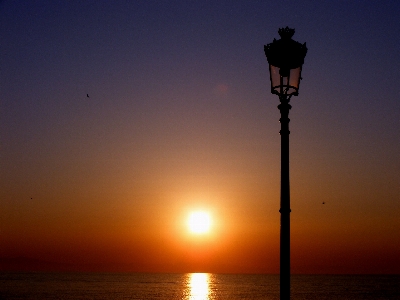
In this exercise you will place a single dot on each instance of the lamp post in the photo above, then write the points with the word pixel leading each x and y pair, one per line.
pixel 285 58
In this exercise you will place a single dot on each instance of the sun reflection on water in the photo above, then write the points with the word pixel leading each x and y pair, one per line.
pixel 199 286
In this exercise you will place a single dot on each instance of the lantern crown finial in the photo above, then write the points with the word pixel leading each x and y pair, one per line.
pixel 286 33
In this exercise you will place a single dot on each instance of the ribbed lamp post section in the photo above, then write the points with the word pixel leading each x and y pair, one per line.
pixel 285 58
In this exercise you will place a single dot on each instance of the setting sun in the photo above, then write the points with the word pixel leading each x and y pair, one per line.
pixel 199 222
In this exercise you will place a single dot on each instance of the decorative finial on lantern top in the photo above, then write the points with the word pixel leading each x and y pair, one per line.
pixel 286 33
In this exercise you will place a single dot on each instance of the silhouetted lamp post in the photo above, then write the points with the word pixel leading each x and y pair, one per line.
pixel 285 58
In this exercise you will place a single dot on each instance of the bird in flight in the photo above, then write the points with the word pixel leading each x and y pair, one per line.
pixel 87 95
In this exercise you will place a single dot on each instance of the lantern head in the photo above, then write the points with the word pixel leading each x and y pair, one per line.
pixel 285 58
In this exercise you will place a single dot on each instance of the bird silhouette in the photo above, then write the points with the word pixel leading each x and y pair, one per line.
pixel 87 95
pixel 323 202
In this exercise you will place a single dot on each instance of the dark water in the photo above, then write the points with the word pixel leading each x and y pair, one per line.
pixel 193 286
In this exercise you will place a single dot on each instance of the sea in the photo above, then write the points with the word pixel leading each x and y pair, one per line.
pixel 193 286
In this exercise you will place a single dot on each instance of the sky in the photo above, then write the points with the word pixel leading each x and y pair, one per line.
pixel 180 118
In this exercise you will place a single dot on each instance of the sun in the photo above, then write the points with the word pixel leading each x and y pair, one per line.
pixel 199 222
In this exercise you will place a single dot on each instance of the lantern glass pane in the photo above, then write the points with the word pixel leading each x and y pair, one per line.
pixel 285 85
pixel 275 77
pixel 295 78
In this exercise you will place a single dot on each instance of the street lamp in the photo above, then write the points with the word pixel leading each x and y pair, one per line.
pixel 285 58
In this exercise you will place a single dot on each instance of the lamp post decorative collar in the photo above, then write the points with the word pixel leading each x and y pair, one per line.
pixel 285 58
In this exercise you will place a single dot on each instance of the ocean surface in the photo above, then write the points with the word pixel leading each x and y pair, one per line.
pixel 193 286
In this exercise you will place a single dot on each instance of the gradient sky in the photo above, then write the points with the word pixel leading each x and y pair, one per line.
pixel 180 117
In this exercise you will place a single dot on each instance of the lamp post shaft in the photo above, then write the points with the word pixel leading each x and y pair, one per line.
pixel 284 108
pixel 285 58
